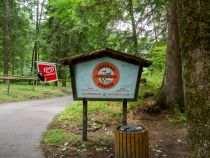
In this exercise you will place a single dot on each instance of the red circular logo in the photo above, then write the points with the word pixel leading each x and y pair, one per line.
pixel 106 75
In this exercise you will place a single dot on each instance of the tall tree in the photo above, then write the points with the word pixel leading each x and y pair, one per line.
pixel 36 43
pixel 172 86
pixel 133 24
pixel 6 36
pixel 194 29
pixel 38 17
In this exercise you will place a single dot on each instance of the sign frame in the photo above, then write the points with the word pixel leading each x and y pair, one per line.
pixel 73 61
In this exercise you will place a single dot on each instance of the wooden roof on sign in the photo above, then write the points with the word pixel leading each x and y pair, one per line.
pixel 107 52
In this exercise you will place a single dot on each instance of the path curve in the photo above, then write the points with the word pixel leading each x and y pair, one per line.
pixel 22 125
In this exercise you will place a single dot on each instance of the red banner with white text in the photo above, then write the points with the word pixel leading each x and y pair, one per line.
pixel 47 72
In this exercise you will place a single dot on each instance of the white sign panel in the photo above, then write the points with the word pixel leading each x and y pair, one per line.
pixel 106 78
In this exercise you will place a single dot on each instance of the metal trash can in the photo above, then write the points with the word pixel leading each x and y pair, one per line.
pixel 131 141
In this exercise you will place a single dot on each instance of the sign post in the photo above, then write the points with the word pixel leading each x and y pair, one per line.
pixel 84 135
pixel 124 118
pixel 105 75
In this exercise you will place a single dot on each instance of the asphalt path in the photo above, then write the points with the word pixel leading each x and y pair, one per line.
pixel 22 125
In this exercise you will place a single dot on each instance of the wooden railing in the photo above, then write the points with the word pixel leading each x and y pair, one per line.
pixel 9 79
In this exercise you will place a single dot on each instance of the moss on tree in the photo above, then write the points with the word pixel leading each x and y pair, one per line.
pixel 194 27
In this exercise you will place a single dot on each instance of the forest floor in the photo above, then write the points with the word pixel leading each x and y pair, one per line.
pixel 167 135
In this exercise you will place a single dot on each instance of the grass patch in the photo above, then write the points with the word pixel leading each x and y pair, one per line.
pixel 58 136
pixel 23 92
pixel 54 137
pixel 107 112
pixel 66 130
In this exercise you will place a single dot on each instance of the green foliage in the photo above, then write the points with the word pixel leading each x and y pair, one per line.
pixel 153 75
pixel 20 39
pixel 82 26
pixel 157 54
pixel 54 137
pixel 71 27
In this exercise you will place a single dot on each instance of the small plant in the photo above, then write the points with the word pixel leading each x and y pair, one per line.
pixel 99 149
pixel 74 138
pixel 54 137
pixel 180 117
pixel 183 119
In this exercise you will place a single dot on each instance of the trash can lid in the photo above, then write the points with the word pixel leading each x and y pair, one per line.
pixel 130 128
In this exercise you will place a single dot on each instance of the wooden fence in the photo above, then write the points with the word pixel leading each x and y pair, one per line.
pixel 34 81
pixel 9 79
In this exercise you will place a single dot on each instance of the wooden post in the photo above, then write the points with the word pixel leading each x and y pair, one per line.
pixel 84 134
pixel 8 84
pixel 33 84
pixel 63 83
pixel 56 83
pixel 124 118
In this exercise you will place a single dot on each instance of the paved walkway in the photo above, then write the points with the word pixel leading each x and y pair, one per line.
pixel 22 125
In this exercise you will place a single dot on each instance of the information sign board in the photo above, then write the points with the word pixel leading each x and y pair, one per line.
pixel 106 78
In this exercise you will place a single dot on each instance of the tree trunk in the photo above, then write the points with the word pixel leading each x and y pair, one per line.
pixel 32 60
pixel 36 50
pixel 36 53
pixel 172 86
pixel 22 67
pixel 13 59
pixel 6 36
pixel 134 37
pixel 195 45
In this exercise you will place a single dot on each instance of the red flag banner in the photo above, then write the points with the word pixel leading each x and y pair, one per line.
pixel 47 72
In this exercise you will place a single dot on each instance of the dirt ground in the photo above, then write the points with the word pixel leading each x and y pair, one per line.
pixel 167 139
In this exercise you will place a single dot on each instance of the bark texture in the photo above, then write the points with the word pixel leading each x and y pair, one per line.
pixel 6 36
pixel 195 45
pixel 172 87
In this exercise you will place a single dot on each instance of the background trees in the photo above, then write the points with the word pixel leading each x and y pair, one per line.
pixel 17 30
pixel 50 31
pixel 6 36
